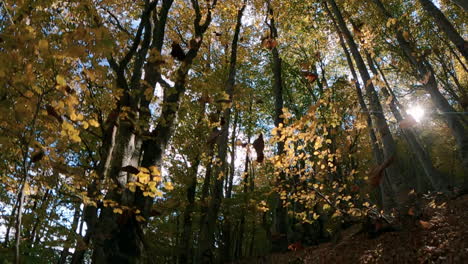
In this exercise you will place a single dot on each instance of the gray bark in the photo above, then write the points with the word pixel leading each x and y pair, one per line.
pixel 432 174
pixel 397 183
pixel 119 238
pixel 444 24
pixel 462 3
pixel 207 238
pixel 280 217
pixel 425 72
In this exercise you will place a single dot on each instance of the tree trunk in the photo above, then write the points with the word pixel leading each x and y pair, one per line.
pixel 280 243
pixel 19 218
pixel 462 3
pixel 227 248
pixel 119 237
pixel 208 237
pixel 425 73
pixel 432 174
pixel 444 24
pixel 397 183
pixel 376 150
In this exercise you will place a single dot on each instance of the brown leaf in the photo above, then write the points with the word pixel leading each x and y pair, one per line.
pixel 52 112
pixel 296 246
pixel 377 173
pixel 425 224
pixel 130 169
pixel 259 146
pixel 310 76
pixel 213 136
pixel 407 122
pixel 37 156
pixel 269 43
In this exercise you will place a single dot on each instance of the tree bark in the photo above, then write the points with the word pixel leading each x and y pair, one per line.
pixel 444 24
pixel 425 72
pixel 119 237
pixel 207 238
pixel 462 3
pixel 432 174
pixel 280 243
pixel 397 183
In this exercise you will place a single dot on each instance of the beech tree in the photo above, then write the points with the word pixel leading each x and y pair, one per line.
pixel 186 131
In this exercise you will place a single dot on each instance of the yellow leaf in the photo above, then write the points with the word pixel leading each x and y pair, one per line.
pixel 168 186
pixel 117 211
pixel 43 45
pixel 93 123
pixel 406 35
pixel 75 138
pixel 29 94
pixel 85 125
pixel 140 218
pixel 61 80
pixel 154 171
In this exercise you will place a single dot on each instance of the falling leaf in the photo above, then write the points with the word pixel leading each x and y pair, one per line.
pixel 407 122
pixel 61 80
pixel 406 35
pixel 117 211
pixel 269 43
pixel 425 224
pixel 377 173
pixel 259 146
pixel 310 76
pixel 43 45
pixel 140 218
pixel 52 112
pixel 93 123
pixel 37 156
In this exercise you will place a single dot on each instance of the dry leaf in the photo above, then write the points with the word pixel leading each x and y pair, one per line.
pixel 425 224
pixel 407 122
pixel 259 146
pixel 377 173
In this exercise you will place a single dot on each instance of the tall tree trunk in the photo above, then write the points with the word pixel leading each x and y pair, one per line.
pixel 204 199
pixel 19 219
pixel 187 239
pixel 119 237
pixel 12 218
pixel 376 150
pixel 397 183
pixel 444 24
pixel 43 208
pixel 462 3
pixel 432 174
pixel 208 237
pixel 227 248
pixel 425 73
pixel 280 243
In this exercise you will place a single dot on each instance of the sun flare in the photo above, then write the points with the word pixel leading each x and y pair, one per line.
pixel 417 112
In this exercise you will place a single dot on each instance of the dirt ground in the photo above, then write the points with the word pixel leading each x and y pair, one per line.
pixel 439 235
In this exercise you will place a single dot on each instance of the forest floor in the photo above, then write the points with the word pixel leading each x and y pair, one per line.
pixel 439 235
